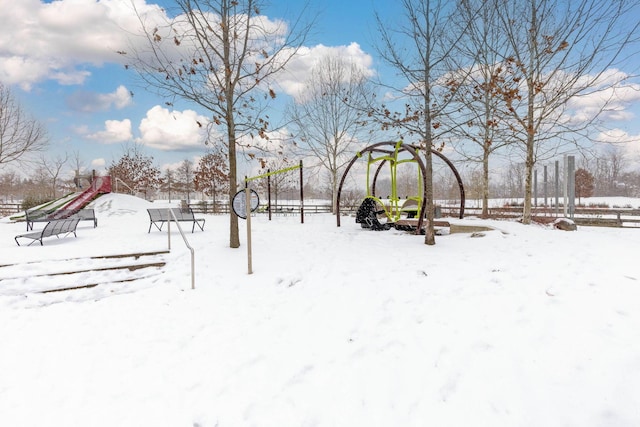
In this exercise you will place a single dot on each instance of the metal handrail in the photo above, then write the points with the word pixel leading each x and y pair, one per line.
pixel 193 263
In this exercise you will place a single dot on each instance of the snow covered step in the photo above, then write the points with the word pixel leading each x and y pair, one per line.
pixel 71 265
pixel 77 273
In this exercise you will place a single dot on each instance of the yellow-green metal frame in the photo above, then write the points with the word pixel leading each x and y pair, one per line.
pixel 392 209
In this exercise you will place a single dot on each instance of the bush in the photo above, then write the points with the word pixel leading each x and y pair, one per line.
pixel 599 205
pixel 33 200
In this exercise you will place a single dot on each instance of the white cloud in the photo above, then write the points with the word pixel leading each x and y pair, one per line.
pixel 609 97
pixel 50 40
pixel 90 101
pixel 61 40
pixel 630 144
pixel 293 80
pixel 115 131
pixel 173 130
pixel 98 163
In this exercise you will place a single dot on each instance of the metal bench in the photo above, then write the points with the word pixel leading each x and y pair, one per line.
pixel 86 215
pixel 36 215
pixel 55 227
pixel 160 216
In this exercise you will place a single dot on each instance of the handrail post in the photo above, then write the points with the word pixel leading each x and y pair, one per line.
pixel 169 229
pixel 172 217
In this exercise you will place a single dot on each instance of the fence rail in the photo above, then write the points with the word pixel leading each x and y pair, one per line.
pixel 223 208
pixel 617 217
pixel 7 209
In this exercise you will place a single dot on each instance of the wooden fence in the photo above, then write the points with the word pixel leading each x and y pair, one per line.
pixel 284 209
pixel 7 209
pixel 616 217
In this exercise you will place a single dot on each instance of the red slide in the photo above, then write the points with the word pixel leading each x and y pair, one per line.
pixel 100 185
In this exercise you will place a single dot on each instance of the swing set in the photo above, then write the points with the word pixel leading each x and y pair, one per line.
pixel 268 175
pixel 247 201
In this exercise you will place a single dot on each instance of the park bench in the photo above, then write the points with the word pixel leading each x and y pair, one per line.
pixel 54 227
pixel 160 216
pixel 36 215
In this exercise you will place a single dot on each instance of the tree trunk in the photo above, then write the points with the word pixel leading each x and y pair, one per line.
pixel 485 184
pixel 334 192
pixel 429 235
pixel 530 147
pixel 528 180
pixel 234 234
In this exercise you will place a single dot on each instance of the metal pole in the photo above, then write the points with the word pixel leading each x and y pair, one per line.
pixel 247 191
pixel 269 192
pixel 572 185
pixel 535 187
pixel 172 217
pixel 169 229
pixel 565 173
pixel 557 179
pixel 546 203
pixel 301 196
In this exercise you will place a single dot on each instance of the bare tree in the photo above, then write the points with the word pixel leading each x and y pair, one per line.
pixel 329 116
pixel 167 183
pixel 221 55
pixel 609 166
pixel 419 48
pixel 559 50
pixel 513 179
pixel 136 171
pixel 53 168
pixel 19 134
pixel 80 171
pixel 406 180
pixel 9 186
pixel 37 188
pixel 212 175
pixel 477 106
pixel 279 182
pixel 185 176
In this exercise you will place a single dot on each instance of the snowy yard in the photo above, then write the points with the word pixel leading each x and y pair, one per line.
pixel 526 326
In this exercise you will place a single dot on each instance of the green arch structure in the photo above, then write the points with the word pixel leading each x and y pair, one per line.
pixel 389 152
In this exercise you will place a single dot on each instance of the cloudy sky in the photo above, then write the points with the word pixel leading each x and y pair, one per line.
pixel 60 60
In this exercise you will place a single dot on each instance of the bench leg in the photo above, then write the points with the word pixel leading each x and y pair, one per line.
pixel 154 223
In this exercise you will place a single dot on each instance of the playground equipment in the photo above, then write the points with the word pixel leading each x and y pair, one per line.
pixel 99 185
pixel 407 213
pixel 71 203
pixel 251 202
pixel 268 176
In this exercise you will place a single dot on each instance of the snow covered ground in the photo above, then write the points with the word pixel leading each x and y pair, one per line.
pixel 526 326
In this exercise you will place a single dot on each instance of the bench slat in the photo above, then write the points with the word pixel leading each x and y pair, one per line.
pixel 36 215
pixel 53 228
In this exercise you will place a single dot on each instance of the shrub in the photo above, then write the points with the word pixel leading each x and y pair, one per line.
pixel 33 200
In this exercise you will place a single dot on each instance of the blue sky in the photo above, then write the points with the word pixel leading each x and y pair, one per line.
pixel 59 59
